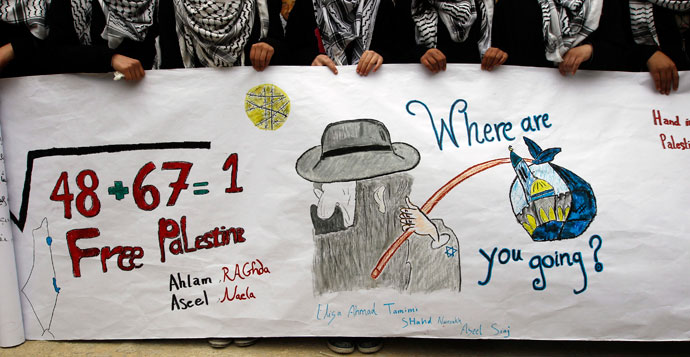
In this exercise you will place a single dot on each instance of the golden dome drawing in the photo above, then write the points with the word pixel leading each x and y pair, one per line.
pixel 540 186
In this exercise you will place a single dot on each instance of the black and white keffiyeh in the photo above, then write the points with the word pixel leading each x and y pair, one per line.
pixel 31 13
pixel 566 23
pixel 642 18
pixel 345 23
pixel 457 15
pixel 127 19
pixel 123 19
pixel 216 32
pixel 81 16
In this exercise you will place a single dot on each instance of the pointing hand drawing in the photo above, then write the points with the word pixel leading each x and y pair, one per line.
pixel 413 218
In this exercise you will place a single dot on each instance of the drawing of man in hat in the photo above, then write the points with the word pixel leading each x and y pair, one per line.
pixel 363 190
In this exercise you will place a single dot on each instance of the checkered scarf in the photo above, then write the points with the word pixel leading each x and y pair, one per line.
pixel 642 18
pixel 457 15
pixel 123 19
pixel 27 12
pixel 566 23
pixel 216 32
pixel 345 23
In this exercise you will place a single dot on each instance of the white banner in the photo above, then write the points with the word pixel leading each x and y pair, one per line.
pixel 11 327
pixel 292 202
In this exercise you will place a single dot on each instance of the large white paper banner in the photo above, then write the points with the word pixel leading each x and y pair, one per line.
pixel 11 327
pixel 292 202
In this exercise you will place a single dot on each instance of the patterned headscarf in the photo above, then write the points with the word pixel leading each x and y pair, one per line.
pixel 216 32
pixel 123 19
pixel 345 23
pixel 642 18
pixel 31 13
pixel 566 23
pixel 457 15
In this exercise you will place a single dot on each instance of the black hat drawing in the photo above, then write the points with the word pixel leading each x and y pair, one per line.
pixel 355 150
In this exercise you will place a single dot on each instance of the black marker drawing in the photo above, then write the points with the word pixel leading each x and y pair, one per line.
pixel 363 190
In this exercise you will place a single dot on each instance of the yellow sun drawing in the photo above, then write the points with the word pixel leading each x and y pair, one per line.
pixel 267 106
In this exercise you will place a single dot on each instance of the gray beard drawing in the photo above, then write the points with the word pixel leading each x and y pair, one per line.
pixel 344 259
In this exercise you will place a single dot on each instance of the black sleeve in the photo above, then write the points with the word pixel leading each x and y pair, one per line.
pixel 300 34
pixel 393 36
pixel 499 26
pixel 672 41
pixel 517 30
pixel 24 45
pixel 641 54
pixel 383 39
pixel 614 48
pixel 66 53
pixel 168 40
pixel 28 58
pixel 275 36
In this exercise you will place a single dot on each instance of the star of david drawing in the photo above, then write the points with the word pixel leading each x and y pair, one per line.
pixel 450 251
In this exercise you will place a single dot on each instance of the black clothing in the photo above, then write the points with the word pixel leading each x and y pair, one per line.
pixel 26 60
pixel 302 35
pixel 615 47
pixel 457 52
pixel 517 30
pixel 393 36
pixel 61 51
pixel 673 43
pixel 68 55
pixel 171 56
